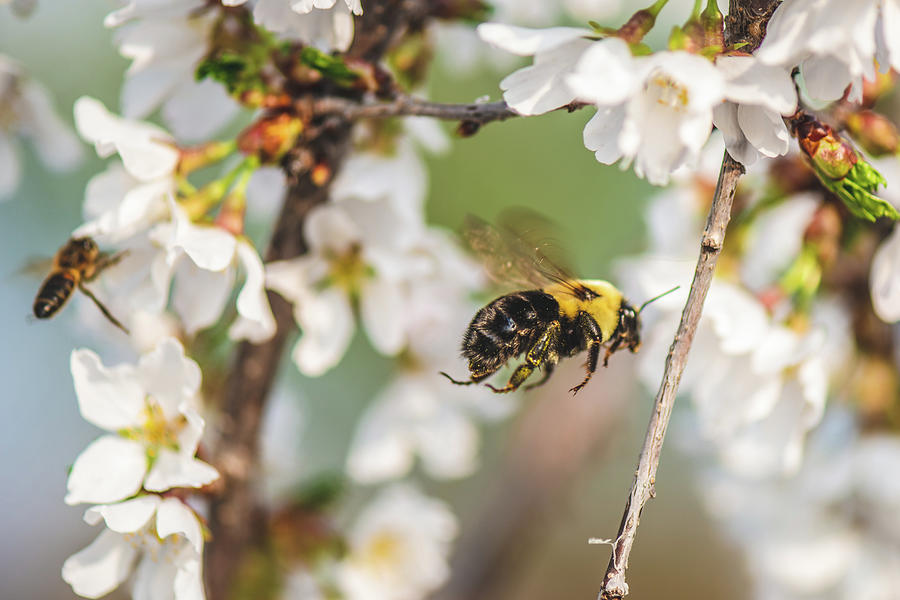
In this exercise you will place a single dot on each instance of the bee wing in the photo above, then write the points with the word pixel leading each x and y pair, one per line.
pixel 37 267
pixel 524 250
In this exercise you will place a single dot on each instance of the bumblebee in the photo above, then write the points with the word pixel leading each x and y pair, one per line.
pixel 78 262
pixel 563 317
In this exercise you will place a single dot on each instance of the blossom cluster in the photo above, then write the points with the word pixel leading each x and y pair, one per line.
pixel 152 415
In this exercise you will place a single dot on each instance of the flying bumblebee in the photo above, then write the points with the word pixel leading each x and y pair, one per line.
pixel 562 317
pixel 78 262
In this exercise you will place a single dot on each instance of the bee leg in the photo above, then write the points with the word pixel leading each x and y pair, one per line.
pixel 547 368
pixel 106 261
pixel 456 381
pixel 612 348
pixel 534 358
pixel 591 365
pixel 102 308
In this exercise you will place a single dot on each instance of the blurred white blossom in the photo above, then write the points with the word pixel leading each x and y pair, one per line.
pixel 829 532
pixel 26 111
pixel 326 24
pixel 398 547
pixel 835 43
pixel 166 40
pixel 159 539
pixel 151 413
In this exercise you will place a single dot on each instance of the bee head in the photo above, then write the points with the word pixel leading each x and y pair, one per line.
pixel 85 245
pixel 630 327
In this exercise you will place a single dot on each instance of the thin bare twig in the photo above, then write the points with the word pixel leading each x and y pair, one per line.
pixel 746 22
pixel 614 585
pixel 407 106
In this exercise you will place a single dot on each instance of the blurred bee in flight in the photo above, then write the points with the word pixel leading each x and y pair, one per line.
pixel 562 317
pixel 78 262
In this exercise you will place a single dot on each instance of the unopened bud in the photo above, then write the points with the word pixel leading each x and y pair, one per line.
pixel 874 132
pixel 270 137
pixel 840 169
pixel 830 155
pixel 641 22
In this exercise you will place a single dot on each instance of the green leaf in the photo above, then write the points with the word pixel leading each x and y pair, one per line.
pixel 227 69
pixel 856 190
pixel 329 66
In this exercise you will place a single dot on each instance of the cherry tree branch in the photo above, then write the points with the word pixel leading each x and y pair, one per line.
pixel 614 585
pixel 237 521
pixel 746 22
pixel 406 106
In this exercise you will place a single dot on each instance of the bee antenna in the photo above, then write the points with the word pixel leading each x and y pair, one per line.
pixel 655 298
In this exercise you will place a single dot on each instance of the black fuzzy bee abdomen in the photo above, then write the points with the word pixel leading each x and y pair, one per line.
pixel 506 328
pixel 54 293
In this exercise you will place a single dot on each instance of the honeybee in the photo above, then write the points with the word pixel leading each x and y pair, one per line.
pixel 78 262
pixel 561 318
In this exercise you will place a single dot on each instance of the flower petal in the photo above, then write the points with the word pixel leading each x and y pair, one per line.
pixel 111 468
pixel 526 41
pixel 383 310
pixel 124 517
pixel 327 324
pixel 101 567
pixel 255 321
pixel 601 133
pixel 110 398
pixel 885 278
pixel 173 517
pixel 171 470
pixel 169 376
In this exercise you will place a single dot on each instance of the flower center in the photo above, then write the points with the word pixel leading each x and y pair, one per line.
pixel 666 91
pixel 383 551
pixel 156 432
pixel 348 269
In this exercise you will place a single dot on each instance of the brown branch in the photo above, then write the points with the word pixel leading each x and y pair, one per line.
pixel 746 22
pixel 614 585
pixel 409 106
pixel 237 521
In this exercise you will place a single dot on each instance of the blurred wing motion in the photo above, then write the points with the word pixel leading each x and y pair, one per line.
pixel 35 267
pixel 522 251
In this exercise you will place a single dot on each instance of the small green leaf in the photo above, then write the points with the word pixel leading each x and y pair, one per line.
pixel 857 188
pixel 329 66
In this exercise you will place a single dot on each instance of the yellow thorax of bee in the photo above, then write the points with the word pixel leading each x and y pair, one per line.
pixel 604 308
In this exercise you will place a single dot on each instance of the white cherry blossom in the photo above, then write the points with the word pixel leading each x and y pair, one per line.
pixel 26 111
pixel 165 42
pixel 159 539
pixel 151 413
pixel 397 547
pixel 327 24
pixel 359 252
pixel 835 43
pixel 132 206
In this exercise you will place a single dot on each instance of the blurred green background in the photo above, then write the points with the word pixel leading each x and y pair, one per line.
pixel 537 162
